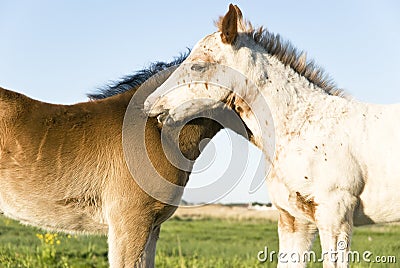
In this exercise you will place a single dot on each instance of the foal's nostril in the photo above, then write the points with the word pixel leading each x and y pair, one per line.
pixel 197 67
pixel 161 117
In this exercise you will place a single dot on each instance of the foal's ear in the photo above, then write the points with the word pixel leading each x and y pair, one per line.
pixel 239 12
pixel 229 25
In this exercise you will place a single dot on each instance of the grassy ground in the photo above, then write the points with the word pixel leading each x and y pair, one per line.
pixel 183 243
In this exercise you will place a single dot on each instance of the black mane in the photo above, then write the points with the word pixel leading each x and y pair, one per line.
pixel 135 80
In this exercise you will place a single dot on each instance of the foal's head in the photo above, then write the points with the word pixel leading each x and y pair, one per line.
pixel 206 78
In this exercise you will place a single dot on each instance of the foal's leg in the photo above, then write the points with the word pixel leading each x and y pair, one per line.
pixel 335 222
pixel 295 238
pixel 150 250
pixel 127 237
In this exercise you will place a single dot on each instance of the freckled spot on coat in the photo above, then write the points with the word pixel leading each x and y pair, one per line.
pixel 308 206
pixel 286 221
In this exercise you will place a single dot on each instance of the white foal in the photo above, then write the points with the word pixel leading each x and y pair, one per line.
pixel 336 159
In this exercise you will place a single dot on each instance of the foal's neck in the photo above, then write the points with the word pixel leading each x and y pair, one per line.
pixel 293 101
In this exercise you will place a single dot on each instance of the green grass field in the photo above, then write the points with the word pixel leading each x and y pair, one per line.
pixel 183 243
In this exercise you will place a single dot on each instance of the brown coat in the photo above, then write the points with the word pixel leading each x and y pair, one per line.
pixel 62 168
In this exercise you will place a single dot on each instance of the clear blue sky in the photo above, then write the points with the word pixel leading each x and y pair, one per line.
pixel 57 51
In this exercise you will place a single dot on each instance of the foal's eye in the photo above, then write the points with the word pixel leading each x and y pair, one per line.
pixel 199 67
